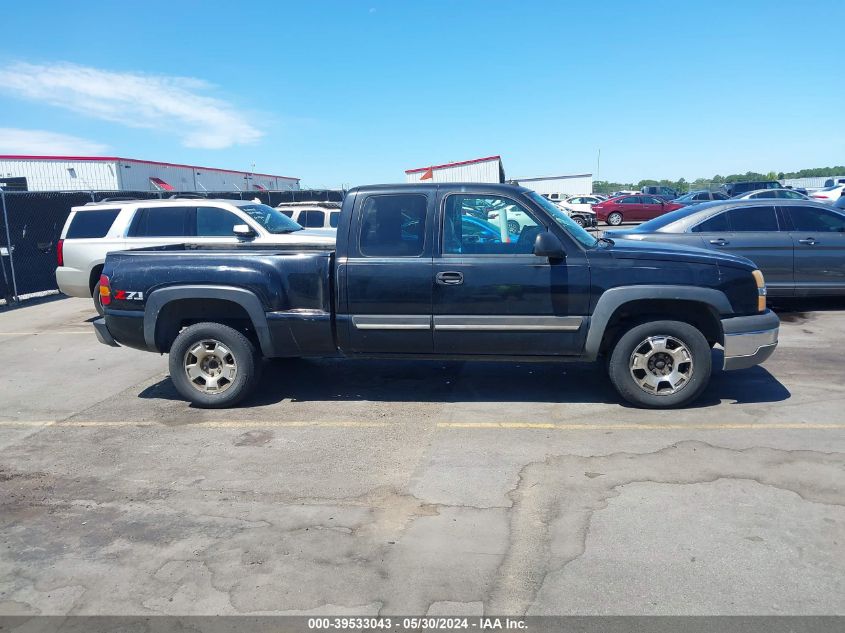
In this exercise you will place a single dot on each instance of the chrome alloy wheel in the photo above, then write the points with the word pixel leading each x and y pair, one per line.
pixel 210 366
pixel 661 365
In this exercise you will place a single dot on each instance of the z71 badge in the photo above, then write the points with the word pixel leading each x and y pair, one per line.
pixel 126 295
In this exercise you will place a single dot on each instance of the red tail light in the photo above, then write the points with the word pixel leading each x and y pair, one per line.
pixel 60 252
pixel 105 290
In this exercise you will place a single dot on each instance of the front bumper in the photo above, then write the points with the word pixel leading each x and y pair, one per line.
pixel 750 340
pixel 103 334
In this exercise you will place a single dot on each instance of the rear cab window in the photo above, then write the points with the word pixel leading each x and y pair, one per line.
pixel 393 225
pixel 91 224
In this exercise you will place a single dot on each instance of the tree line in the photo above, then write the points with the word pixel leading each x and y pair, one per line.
pixel 682 185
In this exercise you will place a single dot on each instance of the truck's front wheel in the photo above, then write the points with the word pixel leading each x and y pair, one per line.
pixel 660 364
pixel 214 366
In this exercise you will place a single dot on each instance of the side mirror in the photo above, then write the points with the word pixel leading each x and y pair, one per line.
pixel 547 245
pixel 243 231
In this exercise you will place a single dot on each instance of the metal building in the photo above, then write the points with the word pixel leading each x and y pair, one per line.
pixel 112 173
pixel 487 169
pixel 556 187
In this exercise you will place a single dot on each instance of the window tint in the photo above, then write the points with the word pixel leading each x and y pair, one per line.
pixel 214 222
pixel 393 225
pixel 508 230
pixel 816 220
pixel 701 196
pixel 86 224
pixel 312 218
pixel 719 196
pixel 791 195
pixel 650 200
pixel 162 222
pixel 715 224
pixel 334 219
pixel 630 200
pixel 287 212
pixel 747 219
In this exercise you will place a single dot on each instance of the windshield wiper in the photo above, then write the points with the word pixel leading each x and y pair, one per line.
pixel 607 240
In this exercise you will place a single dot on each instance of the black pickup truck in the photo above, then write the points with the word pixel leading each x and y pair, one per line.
pixel 419 273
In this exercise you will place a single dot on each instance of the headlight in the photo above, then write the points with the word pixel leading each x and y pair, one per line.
pixel 761 289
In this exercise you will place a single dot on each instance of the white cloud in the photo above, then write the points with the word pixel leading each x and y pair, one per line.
pixel 168 104
pixel 42 142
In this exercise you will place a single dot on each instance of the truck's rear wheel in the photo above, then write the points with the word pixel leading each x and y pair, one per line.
pixel 213 365
pixel 660 364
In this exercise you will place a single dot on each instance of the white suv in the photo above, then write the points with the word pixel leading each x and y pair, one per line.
pixel 95 229
pixel 312 215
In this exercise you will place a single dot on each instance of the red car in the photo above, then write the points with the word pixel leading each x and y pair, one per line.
pixel 632 209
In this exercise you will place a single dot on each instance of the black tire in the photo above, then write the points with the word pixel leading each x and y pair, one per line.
pixel 614 219
pixel 578 220
pixel 245 359
pixel 98 306
pixel 622 375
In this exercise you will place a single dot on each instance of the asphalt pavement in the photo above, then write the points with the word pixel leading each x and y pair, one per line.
pixel 364 487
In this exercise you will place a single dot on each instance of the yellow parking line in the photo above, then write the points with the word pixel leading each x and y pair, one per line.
pixel 752 426
pixel 91 332
pixel 208 424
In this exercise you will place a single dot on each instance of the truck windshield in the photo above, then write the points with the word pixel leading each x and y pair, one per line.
pixel 272 220
pixel 565 222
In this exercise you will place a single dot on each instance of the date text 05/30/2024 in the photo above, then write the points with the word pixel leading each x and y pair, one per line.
pixel 416 623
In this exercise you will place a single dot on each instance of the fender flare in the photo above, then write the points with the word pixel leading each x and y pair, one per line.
pixel 612 299
pixel 158 299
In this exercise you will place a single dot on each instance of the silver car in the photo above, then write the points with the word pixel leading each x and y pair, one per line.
pixel 95 229
pixel 798 244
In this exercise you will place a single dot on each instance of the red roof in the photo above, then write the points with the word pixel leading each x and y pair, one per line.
pixel 158 182
pixel 114 159
pixel 445 165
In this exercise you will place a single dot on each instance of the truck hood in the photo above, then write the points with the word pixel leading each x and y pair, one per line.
pixel 642 249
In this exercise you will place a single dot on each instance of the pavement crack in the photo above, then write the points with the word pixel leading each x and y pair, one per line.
pixel 553 502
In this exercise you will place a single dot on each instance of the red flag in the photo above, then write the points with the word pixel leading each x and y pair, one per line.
pixel 428 175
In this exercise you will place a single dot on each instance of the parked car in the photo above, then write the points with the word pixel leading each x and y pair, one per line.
pixel 514 216
pixel 828 194
pixel 406 281
pixel 702 195
pixel 732 189
pixel 798 244
pixel 579 208
pixel 781 194
pixel 840 204
pixel 580 203
pixel 632 208
pixel 312 215
pixel 661 191
pixel 94 229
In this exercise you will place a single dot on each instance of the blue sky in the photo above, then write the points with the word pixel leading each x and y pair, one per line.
pixel 345 93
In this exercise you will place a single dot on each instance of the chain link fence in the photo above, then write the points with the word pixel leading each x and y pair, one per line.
pixel 32 222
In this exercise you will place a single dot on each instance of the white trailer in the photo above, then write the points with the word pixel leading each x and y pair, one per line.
pixel 488 169
pixel 112 173
pixel 559 187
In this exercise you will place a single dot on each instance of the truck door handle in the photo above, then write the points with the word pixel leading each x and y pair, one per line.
pixel 809 241
pixel 720 242
pixel 450 278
